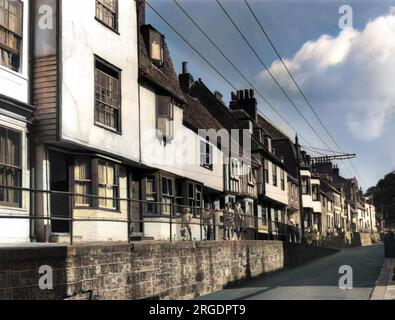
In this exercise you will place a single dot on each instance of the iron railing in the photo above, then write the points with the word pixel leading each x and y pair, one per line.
pixel 63 211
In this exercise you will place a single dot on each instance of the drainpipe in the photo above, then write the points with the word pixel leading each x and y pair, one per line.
pixel 298 160
pixel 31 136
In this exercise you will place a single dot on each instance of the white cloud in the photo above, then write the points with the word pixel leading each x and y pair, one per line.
pixel 353 74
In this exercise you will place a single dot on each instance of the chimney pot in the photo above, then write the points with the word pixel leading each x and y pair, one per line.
pixel 246 94
pixel 218 95
pixel 185 68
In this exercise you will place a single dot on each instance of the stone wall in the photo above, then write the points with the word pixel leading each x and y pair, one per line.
pixel 144 270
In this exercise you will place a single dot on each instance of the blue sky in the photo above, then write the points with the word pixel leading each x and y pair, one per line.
pixel 346 74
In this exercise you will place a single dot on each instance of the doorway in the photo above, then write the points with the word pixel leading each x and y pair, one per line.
pixel 59 181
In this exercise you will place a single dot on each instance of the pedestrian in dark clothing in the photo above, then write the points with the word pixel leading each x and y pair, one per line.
pixel 389 245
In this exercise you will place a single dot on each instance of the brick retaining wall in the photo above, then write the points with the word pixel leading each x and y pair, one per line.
pixel 144 270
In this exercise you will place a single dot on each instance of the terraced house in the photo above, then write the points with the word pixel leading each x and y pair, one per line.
pixel 184 167
pixel 86 123
pixel 104 142
pixel 240 165
pixel 15 120
pixel 286 151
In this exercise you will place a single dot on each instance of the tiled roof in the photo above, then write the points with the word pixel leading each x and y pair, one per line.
pixel 286 149
pixel 197 116
pixel 275 133
pixel 162 76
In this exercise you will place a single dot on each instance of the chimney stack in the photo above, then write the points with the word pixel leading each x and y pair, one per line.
pixel 185 79
pixel 245 100
pixel 141 12
pixel 336 170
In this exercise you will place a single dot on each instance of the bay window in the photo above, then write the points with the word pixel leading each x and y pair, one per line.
pixel 151 194
pixel 10 167
pixel 96 183
pixel 107 185
pixel 306 186
pixel 83 182
pixel 195 198
pixel 167 195
pixel 316 194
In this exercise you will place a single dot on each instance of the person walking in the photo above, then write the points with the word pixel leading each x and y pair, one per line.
pixel 389 244
pixel 186 220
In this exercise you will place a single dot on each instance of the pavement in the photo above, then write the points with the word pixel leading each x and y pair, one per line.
pixel 385 285
pixel 318 280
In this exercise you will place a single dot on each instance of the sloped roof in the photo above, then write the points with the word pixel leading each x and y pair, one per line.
pixel 197 116
pixel 286 150
pixel 162 76
pixel 328 189
pixel 275 133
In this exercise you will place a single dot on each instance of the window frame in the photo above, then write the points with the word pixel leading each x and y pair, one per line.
pixel 208 154
pixel 275 175
pixel 95 202
pixel 17 168
pixel 282 179
pixel 118 71
pixel 115 186
pixel 157 62
pixel 75 180
pixel 266 171
pixel 153 194
pixel 165 140
pixel 116 16
pixel 306 184
pixel 18 37
pixel 171 197
pixel 315 192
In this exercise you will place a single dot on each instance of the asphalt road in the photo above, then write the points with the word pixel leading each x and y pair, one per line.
pixel 318 280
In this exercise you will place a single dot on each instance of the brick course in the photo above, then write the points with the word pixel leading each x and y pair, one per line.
pixel 144 270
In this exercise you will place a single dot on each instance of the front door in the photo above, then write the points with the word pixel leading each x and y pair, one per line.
pixel 59 181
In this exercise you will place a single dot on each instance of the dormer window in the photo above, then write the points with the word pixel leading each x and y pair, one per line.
pixel 156 44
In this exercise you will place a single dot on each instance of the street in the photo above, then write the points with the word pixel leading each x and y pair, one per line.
pixel 318 280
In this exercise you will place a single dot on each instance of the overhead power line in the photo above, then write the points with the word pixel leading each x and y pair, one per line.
pixel 192 47
pixel 296 84
pixel 217 71
pixel 236 68
pixel 271 74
